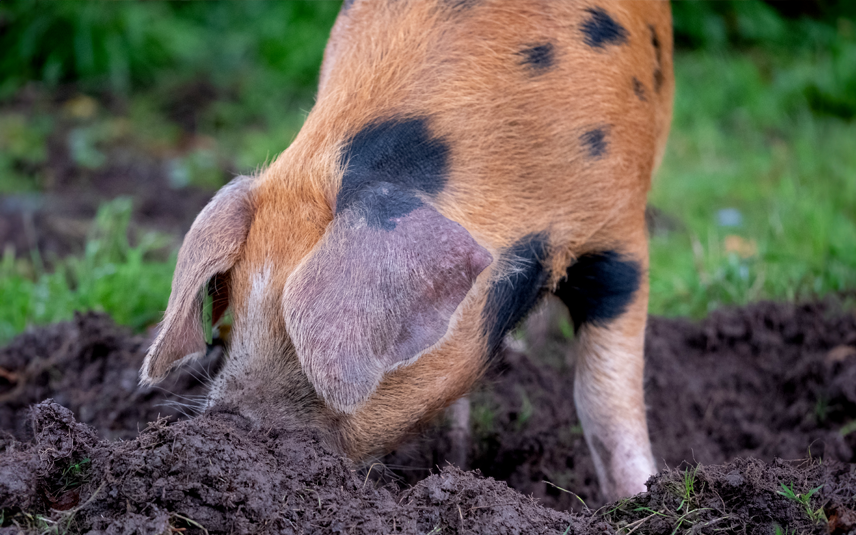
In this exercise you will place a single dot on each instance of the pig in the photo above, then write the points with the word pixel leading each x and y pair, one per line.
pixel 463 159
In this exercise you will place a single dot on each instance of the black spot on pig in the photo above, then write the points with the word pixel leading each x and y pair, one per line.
pixel 598 287
pixel 639 90
pixel 658 55
pixel 595 141
pixel 510 298
pixel 600 29
pixel 461 4
pixel 399 152
pixel 539 58
pixel 658 79
pixel 655 42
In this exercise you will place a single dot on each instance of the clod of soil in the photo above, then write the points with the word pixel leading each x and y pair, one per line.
pixel 742 496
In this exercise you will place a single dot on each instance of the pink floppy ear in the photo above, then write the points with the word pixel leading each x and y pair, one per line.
pixel 210 248
pixel 375 294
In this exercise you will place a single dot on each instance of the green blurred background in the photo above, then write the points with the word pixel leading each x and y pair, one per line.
pixel 118 120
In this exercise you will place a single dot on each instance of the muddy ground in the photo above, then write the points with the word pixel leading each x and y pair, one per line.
pixel 729 398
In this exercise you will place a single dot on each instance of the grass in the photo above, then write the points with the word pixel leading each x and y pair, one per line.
pixel 686 514
pixel 482 415
pixel 848 428
pixel 36 523
pixel 111 276
pixel 526 409
pixel 763 188
pixel 816 515
pixel 74 475
pixel 686 490
pixel 132 45
pixel 55 522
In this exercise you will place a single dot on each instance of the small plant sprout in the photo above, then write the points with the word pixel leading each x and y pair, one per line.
pixel 189 521
pixel 816 515
pixel 686 489
pixel 847 428
pixel 574 494
pixel 73 476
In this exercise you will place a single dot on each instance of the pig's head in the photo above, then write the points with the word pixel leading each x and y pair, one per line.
pixel 329 292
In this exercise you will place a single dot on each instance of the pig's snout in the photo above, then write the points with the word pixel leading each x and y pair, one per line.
pixel 273 394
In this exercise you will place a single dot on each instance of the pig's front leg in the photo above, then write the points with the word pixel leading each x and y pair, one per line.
pixel 607 295
pixel 608 393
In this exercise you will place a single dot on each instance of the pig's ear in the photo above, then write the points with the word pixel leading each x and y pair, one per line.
pixel 210 249
pixel 379 289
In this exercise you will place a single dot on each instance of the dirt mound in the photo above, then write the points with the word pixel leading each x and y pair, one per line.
pixel 766 381
pixel 743 496
pixel 214 474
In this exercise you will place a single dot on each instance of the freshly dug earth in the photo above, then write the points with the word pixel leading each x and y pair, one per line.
pixel 770 380
pixel 92 367
pixel 214 474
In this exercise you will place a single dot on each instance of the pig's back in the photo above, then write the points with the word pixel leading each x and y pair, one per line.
pixel 517 116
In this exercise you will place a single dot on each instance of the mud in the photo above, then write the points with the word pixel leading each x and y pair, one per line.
pixel 736 393
pixel 214 474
